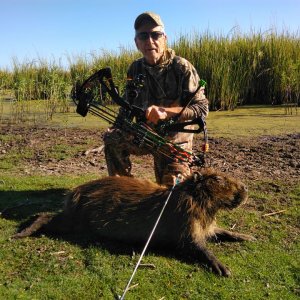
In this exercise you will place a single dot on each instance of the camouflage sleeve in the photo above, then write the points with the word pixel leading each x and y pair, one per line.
pixel 198 107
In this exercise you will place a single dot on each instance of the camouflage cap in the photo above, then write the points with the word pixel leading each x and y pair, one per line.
pixel 147 17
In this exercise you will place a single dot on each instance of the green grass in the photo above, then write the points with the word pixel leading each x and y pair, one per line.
pixel 244 121
pixel 247 121
pixel 74 268
pixel 37 114
pixel 50 268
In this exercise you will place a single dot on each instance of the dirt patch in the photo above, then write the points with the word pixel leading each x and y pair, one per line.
pixel 268 157
pixel 67 151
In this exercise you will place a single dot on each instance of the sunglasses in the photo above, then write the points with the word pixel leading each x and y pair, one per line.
pixel 155 35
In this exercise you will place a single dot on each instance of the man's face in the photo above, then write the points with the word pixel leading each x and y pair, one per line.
pixel 152 47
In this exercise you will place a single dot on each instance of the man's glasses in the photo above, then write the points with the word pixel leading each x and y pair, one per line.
pixel 155 35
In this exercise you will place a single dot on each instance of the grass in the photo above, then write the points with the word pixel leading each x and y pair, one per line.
pixel 37 114
pixel 254 68
pixel 247 121
pixel 50 268
pixel 74 268
pixel 244 121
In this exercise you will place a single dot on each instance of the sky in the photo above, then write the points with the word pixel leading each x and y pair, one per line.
pixel 55 30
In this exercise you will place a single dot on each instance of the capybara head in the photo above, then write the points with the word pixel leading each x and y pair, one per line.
pixel 213 189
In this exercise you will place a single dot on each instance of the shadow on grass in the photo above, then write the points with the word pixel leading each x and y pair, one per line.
pixel 24 206
pixel 19 205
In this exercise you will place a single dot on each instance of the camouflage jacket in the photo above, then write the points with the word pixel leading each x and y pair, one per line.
pixel 168 84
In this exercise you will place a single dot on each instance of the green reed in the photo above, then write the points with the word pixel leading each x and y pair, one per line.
pixel 254 68
pixel 258 68
pixel 35 80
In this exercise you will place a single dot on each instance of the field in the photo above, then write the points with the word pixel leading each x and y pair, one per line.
pixel 40 162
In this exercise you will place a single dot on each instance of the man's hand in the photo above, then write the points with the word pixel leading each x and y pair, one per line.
pixel 156 113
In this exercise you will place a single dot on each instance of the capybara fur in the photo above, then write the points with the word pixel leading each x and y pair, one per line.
pixel 126 209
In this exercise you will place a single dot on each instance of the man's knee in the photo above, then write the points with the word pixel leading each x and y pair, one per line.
pixel 112 136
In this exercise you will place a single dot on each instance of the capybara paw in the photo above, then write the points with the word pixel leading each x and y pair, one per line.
pixel 16 236
pixel 251 238
pixel 220 269
pixel 244 237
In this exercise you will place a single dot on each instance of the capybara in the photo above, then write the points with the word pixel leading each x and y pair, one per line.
pixel 126 209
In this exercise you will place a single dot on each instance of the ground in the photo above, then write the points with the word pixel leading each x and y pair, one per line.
pixel 268 268
pixel 76 151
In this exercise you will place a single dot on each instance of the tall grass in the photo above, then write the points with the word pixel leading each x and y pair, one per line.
pixel 259 68
pixel 255 68
pixel 80 67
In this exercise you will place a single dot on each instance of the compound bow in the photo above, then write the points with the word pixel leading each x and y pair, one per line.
pixel 90 97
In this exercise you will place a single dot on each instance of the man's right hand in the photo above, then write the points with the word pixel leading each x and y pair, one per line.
pixel 155 113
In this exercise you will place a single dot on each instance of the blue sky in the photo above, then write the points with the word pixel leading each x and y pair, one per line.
pixel 55 29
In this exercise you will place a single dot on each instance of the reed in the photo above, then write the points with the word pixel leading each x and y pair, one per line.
pixel 254 68
pixel 257 68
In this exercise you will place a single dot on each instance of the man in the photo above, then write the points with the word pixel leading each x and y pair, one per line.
pixel 169 80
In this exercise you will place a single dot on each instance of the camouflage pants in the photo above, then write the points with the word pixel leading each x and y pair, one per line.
pixel 118 146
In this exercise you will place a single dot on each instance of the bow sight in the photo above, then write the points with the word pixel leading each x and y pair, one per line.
pixel 91 96
pixel 134 86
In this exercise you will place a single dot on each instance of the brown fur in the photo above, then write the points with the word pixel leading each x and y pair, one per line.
pixel 126 208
